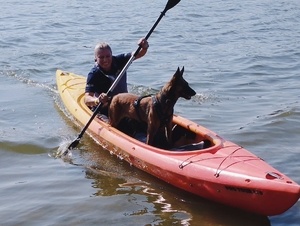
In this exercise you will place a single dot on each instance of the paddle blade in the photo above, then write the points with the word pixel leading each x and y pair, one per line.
pixel 74 144
pixel 171 4
pixel 71 146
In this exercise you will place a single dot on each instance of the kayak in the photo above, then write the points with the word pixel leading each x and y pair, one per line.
pixel 200 162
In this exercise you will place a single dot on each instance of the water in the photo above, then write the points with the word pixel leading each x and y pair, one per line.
pixel 242 58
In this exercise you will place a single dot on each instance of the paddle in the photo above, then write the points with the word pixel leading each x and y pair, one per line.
pixel 170 4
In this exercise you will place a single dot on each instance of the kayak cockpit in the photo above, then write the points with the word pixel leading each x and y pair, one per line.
pixel 186 135
pixel 184 138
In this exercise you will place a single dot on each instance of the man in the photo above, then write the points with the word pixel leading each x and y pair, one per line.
pixel 105 71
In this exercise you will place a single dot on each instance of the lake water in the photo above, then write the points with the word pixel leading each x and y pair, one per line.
pixel 242 58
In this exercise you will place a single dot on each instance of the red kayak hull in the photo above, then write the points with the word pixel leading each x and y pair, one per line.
pixel 223 172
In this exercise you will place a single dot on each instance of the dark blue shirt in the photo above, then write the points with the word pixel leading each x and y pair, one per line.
pixel 99 81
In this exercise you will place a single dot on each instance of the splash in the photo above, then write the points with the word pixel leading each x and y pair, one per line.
pixel 57 152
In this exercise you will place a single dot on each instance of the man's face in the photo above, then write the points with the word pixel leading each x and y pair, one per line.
pixel 104 58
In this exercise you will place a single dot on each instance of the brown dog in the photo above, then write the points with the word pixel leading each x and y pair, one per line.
pixel 156 110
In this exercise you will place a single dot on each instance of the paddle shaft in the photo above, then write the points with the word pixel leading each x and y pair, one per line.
pixel 170 4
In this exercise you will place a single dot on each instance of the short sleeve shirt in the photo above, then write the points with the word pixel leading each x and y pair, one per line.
pixel 99 82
